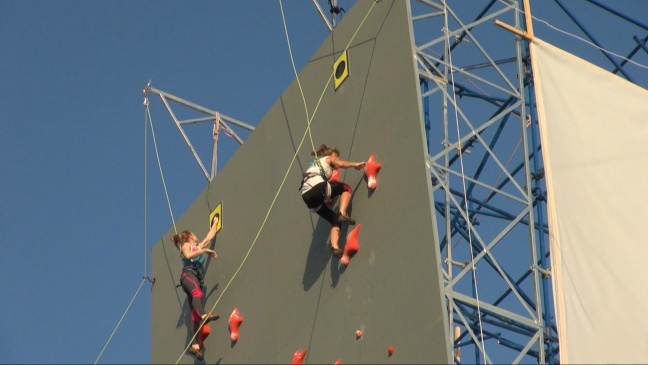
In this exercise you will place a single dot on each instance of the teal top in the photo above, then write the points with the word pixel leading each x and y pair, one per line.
pixel 197 262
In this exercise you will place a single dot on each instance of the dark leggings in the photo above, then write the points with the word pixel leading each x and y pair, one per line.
pixel 315 197
pixel 191 286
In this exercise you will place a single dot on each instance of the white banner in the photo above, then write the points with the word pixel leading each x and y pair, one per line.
pixel 594 130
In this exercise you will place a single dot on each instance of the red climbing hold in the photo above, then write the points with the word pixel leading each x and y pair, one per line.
pixel 339 362
pixel 298 357
pixel 335 176
pixel 358 334
pixel 235 321
pixel 390 350
pixel 202 335
pixel 371 170
pixel 352 246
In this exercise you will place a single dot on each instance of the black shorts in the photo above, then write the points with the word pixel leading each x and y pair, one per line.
pixel 314 198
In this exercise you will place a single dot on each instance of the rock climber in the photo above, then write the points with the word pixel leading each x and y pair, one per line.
pixel 194 254
pixel 316 189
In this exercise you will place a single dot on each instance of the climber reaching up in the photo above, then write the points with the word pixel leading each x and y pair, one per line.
pixel 194 255
pixel 316 189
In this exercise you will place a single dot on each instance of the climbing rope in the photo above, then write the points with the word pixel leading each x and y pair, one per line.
pixel 463 180
pixel 145 187
pixel 120 321
pixel 157 154
pixel 292 61
pixel 310 120
pixel 147 118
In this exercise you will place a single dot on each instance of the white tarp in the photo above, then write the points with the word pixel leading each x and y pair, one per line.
pixel 594 130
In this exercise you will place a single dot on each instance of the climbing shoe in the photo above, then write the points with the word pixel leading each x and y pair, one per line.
pixel 195 352
pixel 336 251
pixel 210 317
pixel 346 219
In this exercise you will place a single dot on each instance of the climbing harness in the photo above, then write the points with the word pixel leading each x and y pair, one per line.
pixel 307 175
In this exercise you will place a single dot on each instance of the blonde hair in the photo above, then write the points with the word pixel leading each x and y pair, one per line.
pixel 323 150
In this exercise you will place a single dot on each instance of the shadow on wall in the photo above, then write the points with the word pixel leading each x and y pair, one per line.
pixel 173 278
pixel 319 253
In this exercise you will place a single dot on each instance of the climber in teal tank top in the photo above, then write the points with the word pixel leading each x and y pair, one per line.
pixel 193 255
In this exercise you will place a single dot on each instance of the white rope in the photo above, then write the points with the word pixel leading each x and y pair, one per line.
pixel 292 61
pixel 157 154
pixel 145 187
pixel 577 37
pixel 146 114
pixel 463 180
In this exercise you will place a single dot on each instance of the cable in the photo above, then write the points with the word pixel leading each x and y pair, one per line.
pixel 146 114
pixel 157 154
pixel 577 37
pixel 292 61
pixel 145 187
pixel 120 321
pixel 463 180
pixel 278 191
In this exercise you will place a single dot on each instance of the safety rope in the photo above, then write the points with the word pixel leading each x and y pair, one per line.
pixel 328 82
pixel 120 321
pixel 292 61
pixel 576 37
pixel 463 180
pixel 145 277
pixel 157 154
pixel 145 188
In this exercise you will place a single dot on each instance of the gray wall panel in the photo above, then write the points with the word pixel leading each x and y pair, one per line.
pixel 291 292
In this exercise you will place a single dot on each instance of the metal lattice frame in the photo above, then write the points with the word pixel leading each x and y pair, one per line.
pixel 487 173
pixel 221 121
pixel 484 191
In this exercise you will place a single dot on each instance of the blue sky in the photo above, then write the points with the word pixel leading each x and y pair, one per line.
pixel 73 148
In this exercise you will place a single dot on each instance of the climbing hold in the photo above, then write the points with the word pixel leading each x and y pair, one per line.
pixel 235 321
pixel 390 350
pixel 358 334
pixel 335 176
pixel 204 332
pixel 352 246
pixel 298 357
pixel 339 362
pixel 371 170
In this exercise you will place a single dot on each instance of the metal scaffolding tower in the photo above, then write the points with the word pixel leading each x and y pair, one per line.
pixel 487 172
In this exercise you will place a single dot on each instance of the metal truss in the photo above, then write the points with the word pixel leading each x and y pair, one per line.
pixel 220 122
pixel 487 174
pixel 486 179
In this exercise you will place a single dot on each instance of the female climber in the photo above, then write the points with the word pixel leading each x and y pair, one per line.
pixel 316 189
pixel 194 255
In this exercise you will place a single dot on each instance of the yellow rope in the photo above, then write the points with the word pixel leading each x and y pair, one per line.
pixel 120 321
pixel 278 191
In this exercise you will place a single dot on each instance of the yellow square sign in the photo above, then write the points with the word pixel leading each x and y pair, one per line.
pixel 218 212
pixel 341 69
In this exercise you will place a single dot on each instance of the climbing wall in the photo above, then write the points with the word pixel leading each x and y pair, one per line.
pixel 292 293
